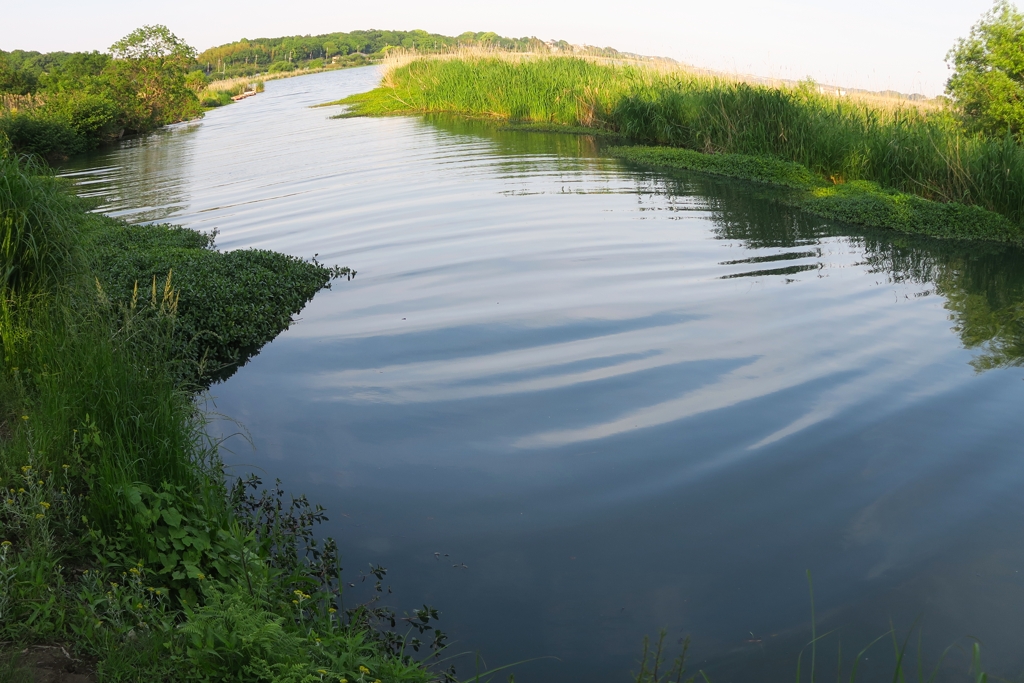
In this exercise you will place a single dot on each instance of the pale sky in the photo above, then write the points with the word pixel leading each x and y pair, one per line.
pixel 873 44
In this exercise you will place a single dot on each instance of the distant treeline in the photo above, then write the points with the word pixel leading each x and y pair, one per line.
pixel 247 57
pixel 25 72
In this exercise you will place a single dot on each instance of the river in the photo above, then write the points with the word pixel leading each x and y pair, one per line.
pixel 570 402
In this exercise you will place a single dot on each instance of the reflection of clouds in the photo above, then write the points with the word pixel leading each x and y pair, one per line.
pixel 780 358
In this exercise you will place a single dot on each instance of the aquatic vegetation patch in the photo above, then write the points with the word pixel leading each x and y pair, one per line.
pixel 746 167
pixel 229 304
pixel 858 202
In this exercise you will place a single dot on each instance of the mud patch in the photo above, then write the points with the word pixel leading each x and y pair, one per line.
pixel 50 664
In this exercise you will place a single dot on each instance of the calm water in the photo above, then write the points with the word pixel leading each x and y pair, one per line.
pixel 571 402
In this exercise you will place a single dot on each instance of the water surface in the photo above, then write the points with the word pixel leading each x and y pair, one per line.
pixel 571 402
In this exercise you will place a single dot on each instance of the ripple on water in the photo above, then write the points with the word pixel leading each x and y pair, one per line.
pixel 623 400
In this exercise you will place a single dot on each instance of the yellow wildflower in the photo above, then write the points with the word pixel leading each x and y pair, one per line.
pixel 25 469
pixel 321 671
pixel 332 610
pixel 45 505
pixel 201 577
pixel 40 516
pixel 5 544
pixel 363 669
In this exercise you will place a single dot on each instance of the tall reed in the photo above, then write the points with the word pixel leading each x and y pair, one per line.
pixel 37 238
pixel 904 146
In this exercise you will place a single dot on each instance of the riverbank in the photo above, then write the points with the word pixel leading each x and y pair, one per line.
pixel 120 540
pixel 904 166
pixel 219 93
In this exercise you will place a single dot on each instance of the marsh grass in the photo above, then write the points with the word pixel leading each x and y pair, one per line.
pixel 655 668
pixel 920 150
pixel 36 246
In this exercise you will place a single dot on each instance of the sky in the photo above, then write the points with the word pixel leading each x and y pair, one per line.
pixel 871 44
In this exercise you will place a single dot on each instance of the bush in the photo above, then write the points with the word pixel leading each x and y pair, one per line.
pixel 93 116
pixel 987 84
pixel 47 137
pixel 214 98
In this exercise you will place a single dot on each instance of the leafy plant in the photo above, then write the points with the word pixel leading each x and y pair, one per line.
pixel 987 84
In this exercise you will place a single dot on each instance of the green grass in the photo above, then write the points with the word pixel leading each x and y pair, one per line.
pixel 118 535
pixel 897 167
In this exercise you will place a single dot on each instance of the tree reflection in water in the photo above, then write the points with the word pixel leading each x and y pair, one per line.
pixel 982 283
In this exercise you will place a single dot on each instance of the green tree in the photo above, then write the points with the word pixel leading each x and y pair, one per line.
pixel 987 84
pixel 12 80
pixel 74 72
pixel 148 78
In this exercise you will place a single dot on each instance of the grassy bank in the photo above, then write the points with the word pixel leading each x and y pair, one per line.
pixel 904 165
pixel 119 539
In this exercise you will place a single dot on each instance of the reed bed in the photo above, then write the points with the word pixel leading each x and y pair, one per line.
pixel 10 102
pixel 915 148
pixel 240 83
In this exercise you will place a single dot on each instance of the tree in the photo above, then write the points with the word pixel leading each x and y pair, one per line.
pixel 148 78
pixel 153 42
pixel 12 80
pixel 987 84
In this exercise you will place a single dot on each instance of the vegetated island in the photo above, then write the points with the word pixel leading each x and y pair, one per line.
pixel 950 168
pixel 125 553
